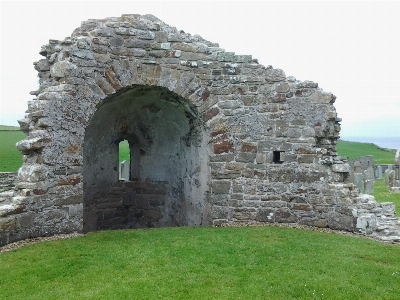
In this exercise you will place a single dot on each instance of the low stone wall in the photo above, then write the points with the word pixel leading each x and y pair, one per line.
pixel 8 180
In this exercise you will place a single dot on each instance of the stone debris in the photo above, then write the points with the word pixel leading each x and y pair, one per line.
pixel 27 242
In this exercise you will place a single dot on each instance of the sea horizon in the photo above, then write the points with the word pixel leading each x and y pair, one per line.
pixel 383 142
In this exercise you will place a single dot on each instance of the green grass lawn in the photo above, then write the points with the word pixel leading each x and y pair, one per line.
pixel 10 157
pixel 354 149
pixel 203 263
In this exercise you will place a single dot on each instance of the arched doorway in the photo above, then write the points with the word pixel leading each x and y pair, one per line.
pixel 168 181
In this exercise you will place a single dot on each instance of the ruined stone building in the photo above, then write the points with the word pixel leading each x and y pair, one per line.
pixel 214 138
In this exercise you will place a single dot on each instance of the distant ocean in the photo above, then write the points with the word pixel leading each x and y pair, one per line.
pixel 383 142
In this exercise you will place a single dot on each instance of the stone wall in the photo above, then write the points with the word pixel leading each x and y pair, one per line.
pixel 8 180
pixel 214 138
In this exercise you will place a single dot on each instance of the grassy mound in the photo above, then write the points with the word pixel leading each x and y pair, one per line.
pixel 355 149
pixel 203 263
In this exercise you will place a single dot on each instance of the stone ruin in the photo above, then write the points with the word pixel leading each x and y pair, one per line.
pixel 215 139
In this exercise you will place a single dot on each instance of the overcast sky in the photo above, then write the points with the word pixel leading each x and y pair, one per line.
pixel 351 49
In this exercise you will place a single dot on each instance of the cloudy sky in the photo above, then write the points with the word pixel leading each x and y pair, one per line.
pixel 351 49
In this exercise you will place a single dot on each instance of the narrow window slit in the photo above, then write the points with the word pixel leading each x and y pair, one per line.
pixel 279 157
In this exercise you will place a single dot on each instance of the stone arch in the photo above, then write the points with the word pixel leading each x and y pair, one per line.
pixel 169 144
pixel 253 145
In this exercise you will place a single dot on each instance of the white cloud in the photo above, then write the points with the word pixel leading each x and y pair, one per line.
pixel 349 48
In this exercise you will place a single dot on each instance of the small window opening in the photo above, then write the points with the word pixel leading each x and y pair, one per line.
pixel 124 151
pixel 124 157
pixel 279 157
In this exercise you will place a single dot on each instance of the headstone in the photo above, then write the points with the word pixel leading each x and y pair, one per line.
pixel 369 181
pixel 397 157
pixel 357 167
pixel 124 170
pixel 387 176
pixel 397 175
pixel 391 175
pixel 378 173
pixel 358 176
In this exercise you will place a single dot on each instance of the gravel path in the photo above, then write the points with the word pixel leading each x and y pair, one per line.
pixel 19 244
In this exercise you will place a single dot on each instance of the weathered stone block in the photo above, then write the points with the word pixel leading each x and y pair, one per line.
pixel 306 158
pixel 223 147
pixel 152 214
pixel 266 215
pixel 341 168
pixel 340 221
pixel 274 75
pixel 32 173
pixel 366 223
pixel 284 215
pixel 274 145
pixel 219 199
pixel 246 157
pixel 221 186
pixel 219 212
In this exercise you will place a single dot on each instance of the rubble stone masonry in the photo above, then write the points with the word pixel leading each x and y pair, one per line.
pixel 215 138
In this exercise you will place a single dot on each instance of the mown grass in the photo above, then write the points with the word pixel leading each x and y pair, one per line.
pixel 355 149
pixel 10 157
pixel 203 263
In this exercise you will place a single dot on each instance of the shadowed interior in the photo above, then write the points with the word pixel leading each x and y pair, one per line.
pixel 168 151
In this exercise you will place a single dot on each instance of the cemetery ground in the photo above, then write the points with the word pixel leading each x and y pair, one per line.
pixel 263 262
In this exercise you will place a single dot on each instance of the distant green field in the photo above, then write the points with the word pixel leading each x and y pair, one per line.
pixel 354 149
pixel 10 157
pixel 5 127
pixel 124 151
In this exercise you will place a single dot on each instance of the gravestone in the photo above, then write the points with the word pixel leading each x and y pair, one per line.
pixel 124 170
pixel 387 176
pixel 397 175
pixel 358 176
pixel 378 173
pixel 369 181
pixel 391 178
